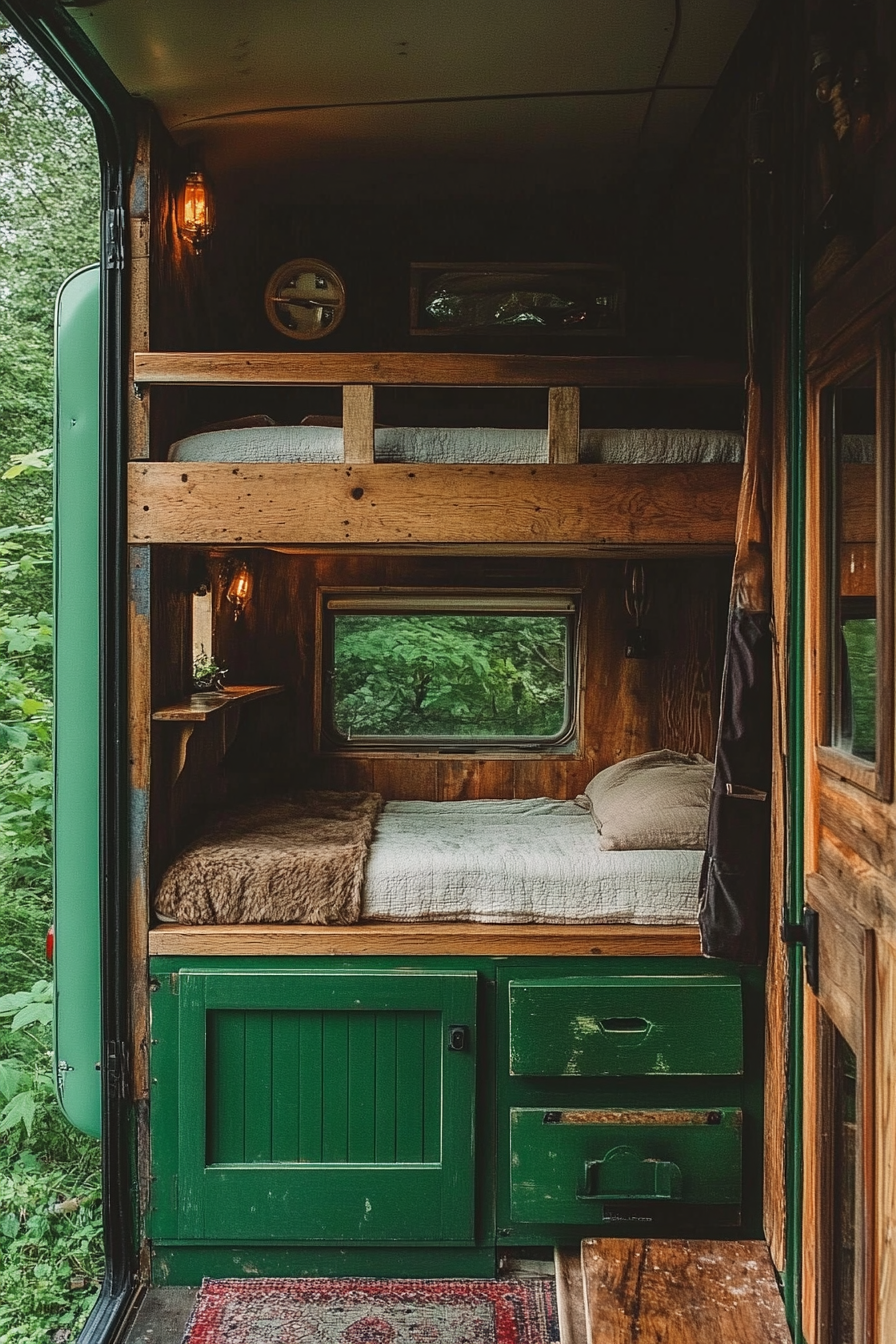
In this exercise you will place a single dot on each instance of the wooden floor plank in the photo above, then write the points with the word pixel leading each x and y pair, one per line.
pixel 681 1292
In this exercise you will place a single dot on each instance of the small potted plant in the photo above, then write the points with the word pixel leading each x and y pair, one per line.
pixel 207 675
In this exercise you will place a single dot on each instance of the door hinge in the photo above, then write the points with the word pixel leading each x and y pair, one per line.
pixel 805 934
pixel 117 1069
pixel 113 238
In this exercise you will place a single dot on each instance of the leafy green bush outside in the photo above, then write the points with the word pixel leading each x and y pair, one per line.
pixel 446 676
pixel 50 1213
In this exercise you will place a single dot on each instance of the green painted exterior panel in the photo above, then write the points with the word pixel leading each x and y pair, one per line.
pixel 315 1106
pixel 591 1026
pixel 76 730
pixel 566 1165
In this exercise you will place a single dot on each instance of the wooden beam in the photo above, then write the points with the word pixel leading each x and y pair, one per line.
pixel 407 369
pixel 357 422
pixel 563 424
pixel 424 939
pixel 333 505
pixel 681 1292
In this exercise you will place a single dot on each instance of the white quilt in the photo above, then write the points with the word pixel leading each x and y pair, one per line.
pixel 321 443
pixel 515 861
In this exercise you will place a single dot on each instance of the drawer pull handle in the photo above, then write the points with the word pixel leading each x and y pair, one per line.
pixel 625 1026
pixel 626 1174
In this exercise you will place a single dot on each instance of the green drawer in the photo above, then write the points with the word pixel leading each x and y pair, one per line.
pixel 566 1165
pixel 587 1026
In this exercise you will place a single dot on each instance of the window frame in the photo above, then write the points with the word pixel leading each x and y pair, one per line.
pixel 328 739
pixel 874 346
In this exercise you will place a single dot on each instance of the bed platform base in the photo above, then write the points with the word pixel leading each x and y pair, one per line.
pixel 444 940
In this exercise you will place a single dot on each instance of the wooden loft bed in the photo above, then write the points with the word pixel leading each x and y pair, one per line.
pixel 366 503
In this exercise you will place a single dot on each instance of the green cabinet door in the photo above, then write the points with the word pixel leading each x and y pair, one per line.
pixel 316 1106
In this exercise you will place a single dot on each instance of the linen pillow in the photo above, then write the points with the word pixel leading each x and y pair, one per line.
pixel 656 801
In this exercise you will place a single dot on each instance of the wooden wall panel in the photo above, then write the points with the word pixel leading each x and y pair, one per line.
pixel 627 705
pixel 811 1172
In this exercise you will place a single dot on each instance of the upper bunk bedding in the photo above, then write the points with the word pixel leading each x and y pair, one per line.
pixel 488 861
pixel 324 443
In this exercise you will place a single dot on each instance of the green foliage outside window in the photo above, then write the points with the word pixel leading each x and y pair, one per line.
pixel 860 638
pixel 50 1208
pixel 450 676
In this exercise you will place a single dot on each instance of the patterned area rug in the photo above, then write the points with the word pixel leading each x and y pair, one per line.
pixel 374 1311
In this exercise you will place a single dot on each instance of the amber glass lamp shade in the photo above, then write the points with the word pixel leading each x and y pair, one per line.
pixel 196 210
pixel 239 590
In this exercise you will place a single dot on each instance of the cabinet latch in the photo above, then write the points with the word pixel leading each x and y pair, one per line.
pixel 805 934
pixel 457 1038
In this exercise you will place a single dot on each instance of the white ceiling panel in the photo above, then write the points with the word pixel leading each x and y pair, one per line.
pixel 326 82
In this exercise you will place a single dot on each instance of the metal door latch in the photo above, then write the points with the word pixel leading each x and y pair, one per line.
pixel 457 1038
pixel 806 935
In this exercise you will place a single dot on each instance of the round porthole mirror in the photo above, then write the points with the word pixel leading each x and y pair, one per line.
pixel 305 299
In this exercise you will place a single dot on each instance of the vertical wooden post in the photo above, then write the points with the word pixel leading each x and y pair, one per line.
pixel 138 320
pixel 563 424
pixel 357 422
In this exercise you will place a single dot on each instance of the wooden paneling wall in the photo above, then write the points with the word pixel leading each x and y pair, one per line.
pixel 627 705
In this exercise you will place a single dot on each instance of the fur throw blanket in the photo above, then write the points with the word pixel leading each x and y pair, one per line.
pixel 293 860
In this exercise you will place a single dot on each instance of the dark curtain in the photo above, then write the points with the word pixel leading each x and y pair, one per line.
pixel 735 881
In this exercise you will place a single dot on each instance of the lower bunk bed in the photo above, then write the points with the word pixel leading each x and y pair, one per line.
pixel 541 1056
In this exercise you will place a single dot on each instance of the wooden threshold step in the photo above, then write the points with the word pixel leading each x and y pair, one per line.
pixel 681 1292
pixel 570 1297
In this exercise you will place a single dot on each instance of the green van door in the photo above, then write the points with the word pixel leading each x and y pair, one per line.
pixel 76 726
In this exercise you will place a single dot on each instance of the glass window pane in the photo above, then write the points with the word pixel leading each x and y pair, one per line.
pixel 452 677
pixel 854 634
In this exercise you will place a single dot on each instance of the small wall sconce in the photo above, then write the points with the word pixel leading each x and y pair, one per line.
pixel 239 589
pixel 195 210
pixel 637 604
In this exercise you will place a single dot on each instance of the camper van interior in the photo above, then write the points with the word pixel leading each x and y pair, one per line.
pixel 507 490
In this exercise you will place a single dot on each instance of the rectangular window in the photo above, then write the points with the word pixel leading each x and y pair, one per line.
pixel 460 671
pixel 853 414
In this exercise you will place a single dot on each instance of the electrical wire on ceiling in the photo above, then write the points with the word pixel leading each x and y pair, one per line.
pixel 462 98
pixel 670 51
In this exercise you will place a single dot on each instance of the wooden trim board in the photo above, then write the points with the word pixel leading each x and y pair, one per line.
pixel 424 939
pixel 338 504
pixel 428 369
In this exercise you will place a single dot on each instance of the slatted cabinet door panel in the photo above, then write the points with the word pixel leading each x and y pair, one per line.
pixel 324 1106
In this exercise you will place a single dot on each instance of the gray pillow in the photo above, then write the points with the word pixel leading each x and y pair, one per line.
pixel 656 801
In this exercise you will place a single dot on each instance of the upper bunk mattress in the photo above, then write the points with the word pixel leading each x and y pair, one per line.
pixel 323 443
pixel 514 861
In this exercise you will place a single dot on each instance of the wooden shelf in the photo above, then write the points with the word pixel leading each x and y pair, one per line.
pixel 427 369
pixel 206 704
pixel 424 939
